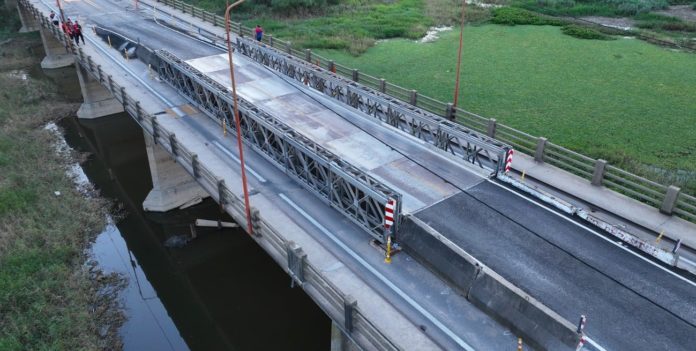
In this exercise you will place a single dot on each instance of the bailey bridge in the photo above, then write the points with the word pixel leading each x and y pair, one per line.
pixel 481 258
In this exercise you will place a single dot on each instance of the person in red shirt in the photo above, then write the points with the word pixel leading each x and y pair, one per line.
pixel 77 33
pixel 259 32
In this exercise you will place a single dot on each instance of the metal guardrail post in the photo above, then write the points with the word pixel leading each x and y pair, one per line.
pixel 138 111
pixel 308 55
pixel 288 48
pixel 356 75
pixel 240 29
pixel 382 86
pixel 541 145
pixel 670 201
pixel 332 66
pixel 449 111
pixel 270 40
pixel 195 166
pixel 598 174
pixel 296 262
pixel 221 193
pixel 492 126
pixel 155 134
pixel 173 145
pixel 123 97
pixel 111 83
pixel 413 99
pixel 349 304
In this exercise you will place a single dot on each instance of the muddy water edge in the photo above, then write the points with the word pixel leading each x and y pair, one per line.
pixel 219 291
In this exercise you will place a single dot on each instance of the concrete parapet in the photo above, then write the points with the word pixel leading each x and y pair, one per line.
pixel 57 56
pixel 537 324
pixel 98 101
pixel 172 186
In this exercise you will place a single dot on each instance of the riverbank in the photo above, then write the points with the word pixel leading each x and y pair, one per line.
pixel 51 298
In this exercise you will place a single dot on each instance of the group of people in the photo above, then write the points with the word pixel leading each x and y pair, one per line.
pixel 73 30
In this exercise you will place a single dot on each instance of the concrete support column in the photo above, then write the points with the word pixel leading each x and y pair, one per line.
pixel 29 23
pixel 340 342
pixel 57 55
pixel 98 101
pixel 172 186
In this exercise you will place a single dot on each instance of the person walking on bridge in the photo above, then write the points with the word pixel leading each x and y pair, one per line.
pixel 54 18
pixel 77 33
pixel 259 33
pixel 67 28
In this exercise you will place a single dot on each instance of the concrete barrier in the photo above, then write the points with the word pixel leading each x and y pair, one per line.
pixel 537 324
pixel 540 327
pixel 439 254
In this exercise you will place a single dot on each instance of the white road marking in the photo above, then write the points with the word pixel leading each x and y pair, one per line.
pixel 379 276
pixel 234 157
pixel 597 234
pixel 594 344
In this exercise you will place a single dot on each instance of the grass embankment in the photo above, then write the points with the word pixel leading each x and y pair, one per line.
pixel 626 101
pixel 49 299
pixel 352 25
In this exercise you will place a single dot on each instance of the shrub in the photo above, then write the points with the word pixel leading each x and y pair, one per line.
pixel 513 16
pixel 584 32
pixel 634 7
pixel 694 6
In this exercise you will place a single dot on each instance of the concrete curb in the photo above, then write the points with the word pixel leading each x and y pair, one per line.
pixel 540 326
pixel 660 254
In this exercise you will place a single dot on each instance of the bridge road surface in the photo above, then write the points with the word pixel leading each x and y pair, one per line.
pixel 463 320
pixel 631 303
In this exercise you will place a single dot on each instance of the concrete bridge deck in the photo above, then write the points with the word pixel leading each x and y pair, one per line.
pixel 632 303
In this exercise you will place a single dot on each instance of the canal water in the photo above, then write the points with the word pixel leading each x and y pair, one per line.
pixel 219 291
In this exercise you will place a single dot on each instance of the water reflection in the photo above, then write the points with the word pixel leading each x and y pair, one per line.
pixel 221 291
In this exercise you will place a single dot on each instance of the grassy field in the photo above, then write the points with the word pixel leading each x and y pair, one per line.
pixel 623 100
pixel 48 299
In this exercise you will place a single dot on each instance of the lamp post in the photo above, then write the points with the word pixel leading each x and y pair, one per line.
pixel 236 118
pixel 459 56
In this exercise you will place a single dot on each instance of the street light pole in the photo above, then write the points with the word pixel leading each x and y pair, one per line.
pixel 459 56
pixel 236 118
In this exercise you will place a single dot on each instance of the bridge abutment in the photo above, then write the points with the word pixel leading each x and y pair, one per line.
pixel 98 101
pixel 172 186
pixel 57 55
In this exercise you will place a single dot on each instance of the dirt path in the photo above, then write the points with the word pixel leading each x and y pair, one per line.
pixel 683 12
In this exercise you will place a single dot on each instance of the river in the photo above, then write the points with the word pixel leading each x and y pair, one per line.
pixel 220 291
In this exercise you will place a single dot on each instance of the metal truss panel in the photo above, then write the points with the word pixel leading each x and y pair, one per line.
pixel 344 187
pixel 471 146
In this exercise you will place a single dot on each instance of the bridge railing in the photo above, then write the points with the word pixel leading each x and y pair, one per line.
pixel 539 147
pixel 344 187
pixel 343 308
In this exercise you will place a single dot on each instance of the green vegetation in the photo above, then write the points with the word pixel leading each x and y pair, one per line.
pixel 626 101
pixel 668 23
pixel 581 32
pixel 47 299
pixel 515 16
pixel 573 8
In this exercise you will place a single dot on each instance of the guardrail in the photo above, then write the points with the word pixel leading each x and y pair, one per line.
pixel 344 187
pixel 339 307
pixel 669 199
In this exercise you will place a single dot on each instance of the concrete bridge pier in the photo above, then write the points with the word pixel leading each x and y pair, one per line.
pixel 29 23
pixel 172 186
pixel 57 55
pixel 97 100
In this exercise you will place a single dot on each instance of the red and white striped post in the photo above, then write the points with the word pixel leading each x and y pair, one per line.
pixel 388 223
pixel 581 328
pixel 508 160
